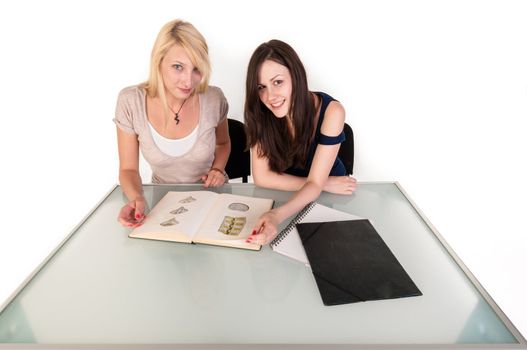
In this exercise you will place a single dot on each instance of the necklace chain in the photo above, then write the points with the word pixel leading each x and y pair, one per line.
pixel 176 114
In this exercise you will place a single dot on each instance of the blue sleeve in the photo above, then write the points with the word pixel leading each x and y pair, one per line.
pixel 331 140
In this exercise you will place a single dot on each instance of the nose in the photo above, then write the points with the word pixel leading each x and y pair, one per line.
pixel 187 80
pixel 272 93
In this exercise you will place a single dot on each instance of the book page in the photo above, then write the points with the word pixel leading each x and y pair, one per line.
pixel 177 216
pixel 232 218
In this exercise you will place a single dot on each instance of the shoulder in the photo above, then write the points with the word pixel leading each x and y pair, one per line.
pixel 214 104
pixel 214 93
pixel 131 93
pixel 335 110
pixel 334 119
pixel 130 107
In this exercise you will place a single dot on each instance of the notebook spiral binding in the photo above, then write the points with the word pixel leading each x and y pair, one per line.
pixel 276 241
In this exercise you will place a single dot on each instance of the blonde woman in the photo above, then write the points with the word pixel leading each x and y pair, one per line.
pixel 175 118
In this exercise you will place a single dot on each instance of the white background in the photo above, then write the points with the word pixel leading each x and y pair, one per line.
pixel 436 92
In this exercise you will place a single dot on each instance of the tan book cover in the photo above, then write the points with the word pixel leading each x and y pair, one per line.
pixel 204 217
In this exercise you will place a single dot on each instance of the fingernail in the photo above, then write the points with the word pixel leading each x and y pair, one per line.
pixel 137 216
pixel 254 232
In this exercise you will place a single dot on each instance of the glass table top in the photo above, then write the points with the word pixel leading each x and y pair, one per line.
pixel 101 287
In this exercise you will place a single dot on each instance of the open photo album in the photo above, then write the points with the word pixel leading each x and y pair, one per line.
pixel 206 217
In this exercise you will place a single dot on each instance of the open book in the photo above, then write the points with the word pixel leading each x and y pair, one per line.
pixel 288 242
pixel 204 217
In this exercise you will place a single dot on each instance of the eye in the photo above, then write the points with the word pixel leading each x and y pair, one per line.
pixel 277 82
pixel 196 70
pixel 177 66
pixel 260 87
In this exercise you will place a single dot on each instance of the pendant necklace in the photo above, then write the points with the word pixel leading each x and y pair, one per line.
pixel 176 114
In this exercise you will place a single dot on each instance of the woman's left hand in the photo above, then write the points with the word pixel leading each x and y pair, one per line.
pixel 265 230
pixel 214 178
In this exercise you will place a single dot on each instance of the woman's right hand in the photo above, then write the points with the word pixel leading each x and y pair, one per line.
pixel 133 213
pixel 266 228
pixel 340 184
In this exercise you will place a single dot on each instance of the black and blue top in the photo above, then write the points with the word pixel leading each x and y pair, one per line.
pixel 338 168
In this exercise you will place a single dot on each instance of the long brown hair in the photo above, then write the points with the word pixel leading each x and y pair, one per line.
pixel 263 128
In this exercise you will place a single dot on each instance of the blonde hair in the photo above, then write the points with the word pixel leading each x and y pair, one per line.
pixel 187 36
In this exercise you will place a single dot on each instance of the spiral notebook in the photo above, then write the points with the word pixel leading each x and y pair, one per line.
pixel 288 242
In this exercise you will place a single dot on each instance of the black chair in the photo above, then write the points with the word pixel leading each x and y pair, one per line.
pixel 239 163
pixel 347 150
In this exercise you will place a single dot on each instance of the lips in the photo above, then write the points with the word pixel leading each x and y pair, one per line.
pixel 278 104
pixel 185 91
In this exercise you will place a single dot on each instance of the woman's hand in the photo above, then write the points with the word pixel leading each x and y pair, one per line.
pixel 265 230
pixel 340 184
pixel 133 213
pixel 214 178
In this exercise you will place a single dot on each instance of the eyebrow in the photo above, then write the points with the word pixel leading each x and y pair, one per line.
pixel 187 64
pixel 273 78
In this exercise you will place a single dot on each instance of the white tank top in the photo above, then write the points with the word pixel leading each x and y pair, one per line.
pixel 177 147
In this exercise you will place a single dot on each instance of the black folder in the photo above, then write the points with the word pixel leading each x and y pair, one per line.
pixel 351 263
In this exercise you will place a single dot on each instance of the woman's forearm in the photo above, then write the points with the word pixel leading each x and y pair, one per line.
pixel 275 181
pixel 221 155
pixel 131 184
pixel 309 192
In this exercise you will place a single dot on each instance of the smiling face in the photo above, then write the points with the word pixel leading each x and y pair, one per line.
pixel 275 87
pixel 180 76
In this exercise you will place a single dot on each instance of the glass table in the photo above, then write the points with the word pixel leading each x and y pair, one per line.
pixel 100 288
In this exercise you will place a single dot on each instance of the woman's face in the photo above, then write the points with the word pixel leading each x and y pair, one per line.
pixel 275 87
pixel 179 74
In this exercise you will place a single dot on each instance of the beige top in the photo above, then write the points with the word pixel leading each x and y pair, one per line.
pixel 130 116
